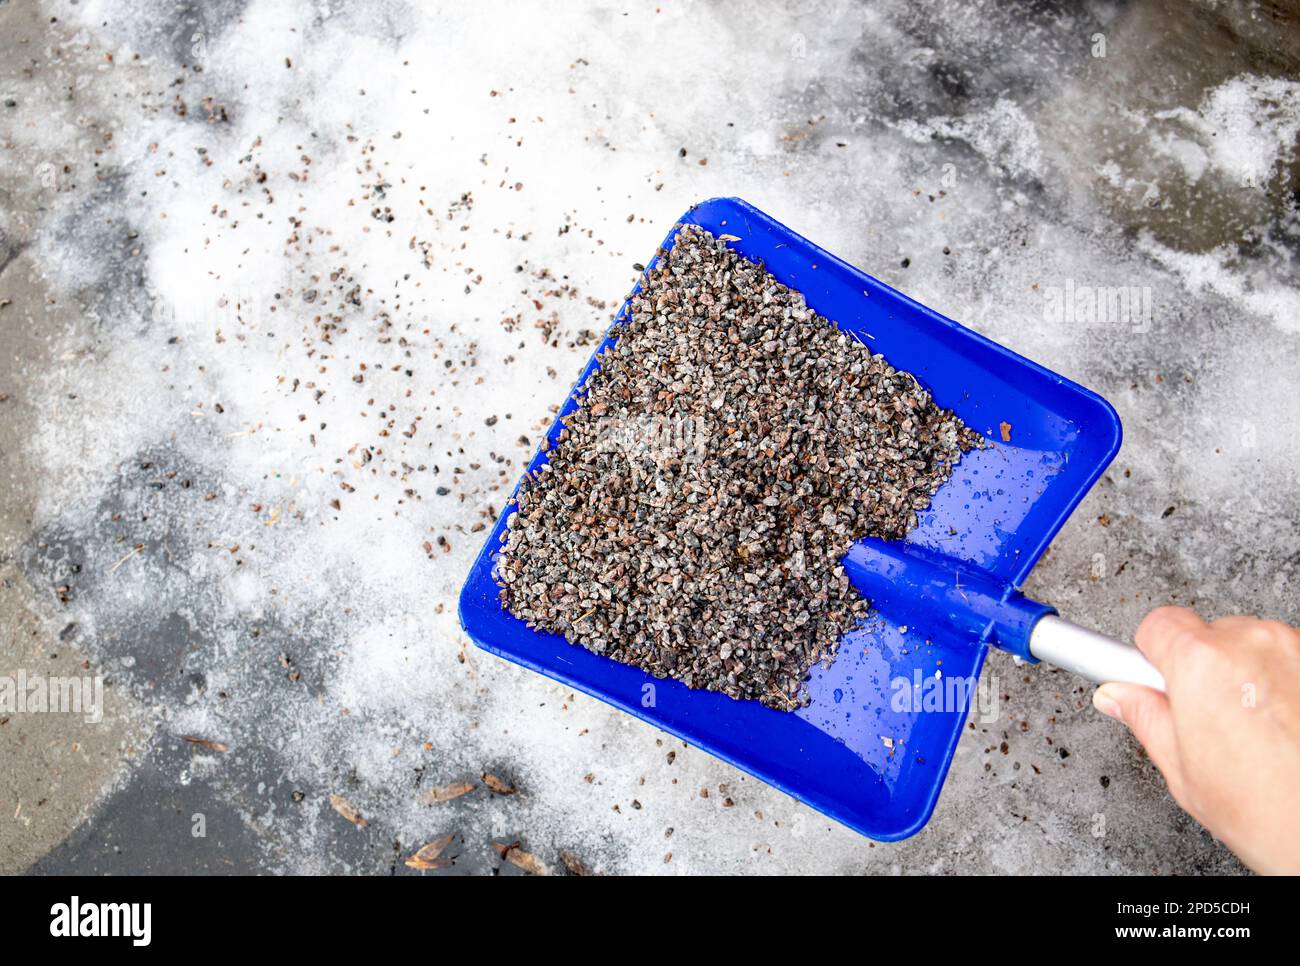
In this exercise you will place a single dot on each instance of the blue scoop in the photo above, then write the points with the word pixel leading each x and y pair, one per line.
pixel 872 748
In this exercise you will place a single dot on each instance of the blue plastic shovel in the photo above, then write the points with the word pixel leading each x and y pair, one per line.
pixel 872 748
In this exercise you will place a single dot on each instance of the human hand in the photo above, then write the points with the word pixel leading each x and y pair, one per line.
pixel 1226 735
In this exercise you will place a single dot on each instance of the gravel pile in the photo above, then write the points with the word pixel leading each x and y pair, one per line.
pixel 728 451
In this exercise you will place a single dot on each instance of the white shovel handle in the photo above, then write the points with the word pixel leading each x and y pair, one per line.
pixel 1094 656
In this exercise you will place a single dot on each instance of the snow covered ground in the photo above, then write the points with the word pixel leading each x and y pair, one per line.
pixel 333 264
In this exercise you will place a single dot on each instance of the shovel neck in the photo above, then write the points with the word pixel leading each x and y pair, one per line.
pixel 913 586
pixel 1012 621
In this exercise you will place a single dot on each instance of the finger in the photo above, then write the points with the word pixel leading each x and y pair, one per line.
pixel 1167 630
pixel 1237 626
pixel 1254 633
pixel 1147 714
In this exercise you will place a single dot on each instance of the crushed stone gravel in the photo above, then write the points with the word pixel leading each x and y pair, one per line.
pixel 727 452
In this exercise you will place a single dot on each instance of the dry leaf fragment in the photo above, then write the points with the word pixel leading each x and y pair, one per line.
pixel 524 860
pixel 206 743
pixel 429 856
pixel 415 862
pixel 496 785
pixel 1005 429
pixel 347 810
pixel 445 793
pixel 574 864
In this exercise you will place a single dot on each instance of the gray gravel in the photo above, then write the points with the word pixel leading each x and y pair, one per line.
pixel 727 453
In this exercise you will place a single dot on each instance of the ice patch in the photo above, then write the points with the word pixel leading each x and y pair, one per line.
pixel 1247 127
pixel 1002 134
pixel 1221 271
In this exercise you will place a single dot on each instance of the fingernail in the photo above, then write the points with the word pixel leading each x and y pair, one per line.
pixel 1106 704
